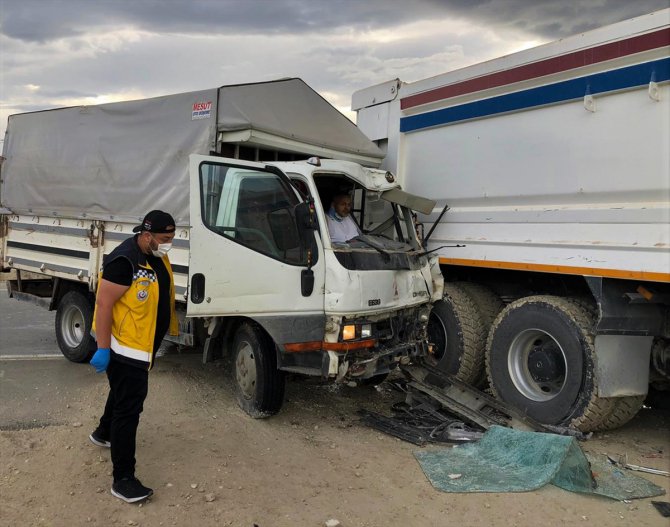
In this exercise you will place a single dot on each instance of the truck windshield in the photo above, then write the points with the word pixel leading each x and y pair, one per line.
pixel 365 230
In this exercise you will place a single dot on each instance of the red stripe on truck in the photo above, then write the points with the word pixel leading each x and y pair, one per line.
pixel 566 62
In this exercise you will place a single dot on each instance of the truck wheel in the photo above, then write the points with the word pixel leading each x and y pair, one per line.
pixel 74 318
pixel 623 410
pixel 488 305
pixel 487 302
pixel 458 336
pixel 259 385
pixel 540 359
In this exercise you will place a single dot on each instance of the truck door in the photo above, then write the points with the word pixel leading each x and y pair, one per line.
pixel 247 252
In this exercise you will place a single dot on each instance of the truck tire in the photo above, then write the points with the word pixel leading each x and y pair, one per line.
pixel 74 318
pixel 488 305
pixel 458 335
pixel 259 385
pixel 623 410
pixel 540 359
pixel 487 302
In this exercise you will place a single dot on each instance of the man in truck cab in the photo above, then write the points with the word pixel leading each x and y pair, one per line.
pixel 341 224
pixel 134 309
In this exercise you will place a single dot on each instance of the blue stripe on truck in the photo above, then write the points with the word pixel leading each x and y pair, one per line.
pixel 609 81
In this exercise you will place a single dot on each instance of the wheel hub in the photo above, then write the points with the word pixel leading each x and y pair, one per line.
pixel 437 334
pixel 245 370
pixel 545 364
pixel 73 327
pixel 537 365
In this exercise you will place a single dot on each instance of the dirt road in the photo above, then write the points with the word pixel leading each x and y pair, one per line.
pixel 212 465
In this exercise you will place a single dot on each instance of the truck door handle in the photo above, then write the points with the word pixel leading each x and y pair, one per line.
pixel 197 288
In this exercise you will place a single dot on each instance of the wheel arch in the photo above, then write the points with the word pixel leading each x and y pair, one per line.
pixel 62 287
pixel 227 327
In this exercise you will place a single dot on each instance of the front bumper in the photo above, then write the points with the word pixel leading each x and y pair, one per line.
pixel 399 338
pixel 350 367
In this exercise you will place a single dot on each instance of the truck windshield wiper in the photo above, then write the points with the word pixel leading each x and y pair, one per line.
pixel 424 253
pixel 366 240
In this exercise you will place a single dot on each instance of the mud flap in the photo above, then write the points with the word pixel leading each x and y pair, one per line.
pixel 622 365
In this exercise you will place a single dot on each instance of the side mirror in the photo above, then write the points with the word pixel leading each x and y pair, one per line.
pixel 306 282
pixel 305 218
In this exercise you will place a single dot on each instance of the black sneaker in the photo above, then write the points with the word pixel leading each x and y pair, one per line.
pixel 98 440
pixel 130 490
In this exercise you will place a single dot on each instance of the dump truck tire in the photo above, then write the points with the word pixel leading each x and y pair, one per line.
pixel 458 335
pixel 623 410
pixel 259 385
pixel 540 358
pixel 488 305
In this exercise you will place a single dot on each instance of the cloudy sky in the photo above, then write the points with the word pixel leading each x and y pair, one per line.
pixel 57 53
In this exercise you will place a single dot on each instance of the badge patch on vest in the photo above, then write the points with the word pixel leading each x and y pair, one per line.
pixel 142 295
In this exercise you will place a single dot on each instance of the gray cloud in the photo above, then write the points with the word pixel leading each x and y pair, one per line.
pixel 67 52
pixel 557 18
pixel 42 21
pixel 39 20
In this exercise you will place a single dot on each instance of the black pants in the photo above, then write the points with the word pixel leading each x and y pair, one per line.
pixel 128 387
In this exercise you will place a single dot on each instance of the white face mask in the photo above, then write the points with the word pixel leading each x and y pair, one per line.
pixel 161 250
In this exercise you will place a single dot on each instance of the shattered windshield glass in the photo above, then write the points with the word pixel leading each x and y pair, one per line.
pixel 386 226
pixel 365 230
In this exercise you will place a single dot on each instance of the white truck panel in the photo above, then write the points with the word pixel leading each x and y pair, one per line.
pixel 58 247
pixel 548 157
pixel 571 180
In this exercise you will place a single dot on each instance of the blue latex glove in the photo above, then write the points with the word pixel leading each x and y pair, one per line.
pixel 100 360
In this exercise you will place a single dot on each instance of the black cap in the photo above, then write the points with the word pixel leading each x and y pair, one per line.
pixel 156 221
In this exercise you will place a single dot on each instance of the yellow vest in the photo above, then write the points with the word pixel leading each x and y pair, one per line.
pixel 134 315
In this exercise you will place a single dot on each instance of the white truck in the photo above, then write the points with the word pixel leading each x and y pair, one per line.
pixel 555 246
pixel 255 271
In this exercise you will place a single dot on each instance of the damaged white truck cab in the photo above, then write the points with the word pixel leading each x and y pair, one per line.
pixel 281 296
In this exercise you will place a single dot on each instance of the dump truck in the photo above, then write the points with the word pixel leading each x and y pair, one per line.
pixel 248 172
pixel 551 169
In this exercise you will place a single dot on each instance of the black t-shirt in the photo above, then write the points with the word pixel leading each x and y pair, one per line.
pixel 120 271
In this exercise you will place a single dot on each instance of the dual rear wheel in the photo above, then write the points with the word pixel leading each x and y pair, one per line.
pixel 538 353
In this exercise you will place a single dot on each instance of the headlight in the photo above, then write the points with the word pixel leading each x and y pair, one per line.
pixel 349 332
pixel 356 331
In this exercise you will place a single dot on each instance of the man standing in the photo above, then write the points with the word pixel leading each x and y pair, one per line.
pixel 133 311
pixel 341 225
